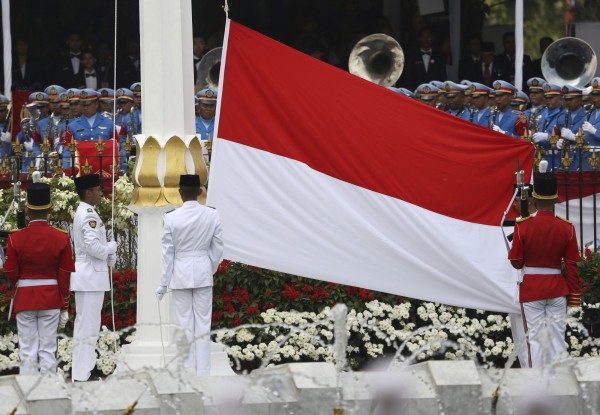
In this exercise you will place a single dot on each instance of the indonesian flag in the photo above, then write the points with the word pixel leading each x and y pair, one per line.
pixel 318 173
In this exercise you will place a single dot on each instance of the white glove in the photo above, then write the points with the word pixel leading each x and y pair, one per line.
pixel 537 137
pixel 28 145
pixel 112 247
pixel 568 134
pixel 498 129
pixel 5 137
pixel 63 319
pixel 160 292
pixel 112 260
pixel 560 143
pixel 589 128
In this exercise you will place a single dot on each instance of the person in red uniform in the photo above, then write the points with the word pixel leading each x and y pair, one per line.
pixel 39 260
pixel 541 245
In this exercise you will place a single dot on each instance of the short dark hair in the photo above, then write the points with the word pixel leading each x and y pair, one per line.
pixel 190 192
pixel 507 35
pixel 35 214
pixel 488 47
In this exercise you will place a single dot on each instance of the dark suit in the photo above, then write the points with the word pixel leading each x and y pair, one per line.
pixel 64 73
pixel 101 76
pixel 414 73
pixel 506 66
pixel 33 79
pixel 468 68
pixel 478 74
pixel 127 73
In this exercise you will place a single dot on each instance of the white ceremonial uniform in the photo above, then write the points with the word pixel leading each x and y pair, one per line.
pixel 89 282
pixel 192 247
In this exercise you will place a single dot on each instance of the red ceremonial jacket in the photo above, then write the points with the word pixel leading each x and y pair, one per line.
pixel 39 252
pixel 545 240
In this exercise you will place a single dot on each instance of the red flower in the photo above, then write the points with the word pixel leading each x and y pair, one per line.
pixel 236 320
pixel 306 288
pixel 240 295
pixel 319 293
pixel 229 308
pixel 290 291
pixel 223 267
pixel 216 315
pixel 251 311
pixel 366 294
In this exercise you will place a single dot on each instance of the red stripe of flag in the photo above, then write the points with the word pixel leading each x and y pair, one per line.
pixel 364 134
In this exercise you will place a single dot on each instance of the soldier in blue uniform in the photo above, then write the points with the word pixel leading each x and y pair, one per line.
pixel 591 124
pixel 468 92
pixel 5 136
pixel 549 123
pixel 520 101
pixel 53 92
pixel 506 120
pixel 205 121
pixel 455 94
pixel 74 108
pixel 442 102
pixel 481 113
pixel 60 140
pixel 572 120
pixel 136 88
pixel 427 94
pixel 106 101
pixel 91 125
pixel 536 100
pixel 31 136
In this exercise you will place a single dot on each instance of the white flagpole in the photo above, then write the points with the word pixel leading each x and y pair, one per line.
pixel 519 44
pixel 7 45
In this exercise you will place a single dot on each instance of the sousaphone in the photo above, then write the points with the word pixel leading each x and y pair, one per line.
pixel 377 58
pixel 209 69
pixel 569 61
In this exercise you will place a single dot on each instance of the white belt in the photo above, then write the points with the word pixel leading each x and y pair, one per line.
pixel 541 270
pixel 191 254
pixel 30 282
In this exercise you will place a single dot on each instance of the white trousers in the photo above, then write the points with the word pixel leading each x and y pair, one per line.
pixel 193 311
pixel 517 327
pixel 88 308
pixel 37 340
pixel 546 325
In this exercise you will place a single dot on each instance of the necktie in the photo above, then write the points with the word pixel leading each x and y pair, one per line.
pixel 487 74
pixel 90 75
pixel 75 55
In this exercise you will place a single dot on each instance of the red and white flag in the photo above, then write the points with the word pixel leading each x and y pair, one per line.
pixel 318 173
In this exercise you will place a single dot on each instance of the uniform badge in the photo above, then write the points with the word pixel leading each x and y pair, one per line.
pixel 120 92
pixel 595 83
pixel 90 210
pixel 209 93
pixel 535 82
pixel 497 85
pixel 39 96
pixel 92 224
pixel 426 90
pixel 83 94
pixel 546 88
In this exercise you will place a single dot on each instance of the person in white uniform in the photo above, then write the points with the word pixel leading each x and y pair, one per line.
pixel 192 245
pixel 93 256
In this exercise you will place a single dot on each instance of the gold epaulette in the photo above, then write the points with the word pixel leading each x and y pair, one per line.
pixel 566 220
pixel 519 220
pixel 59 229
